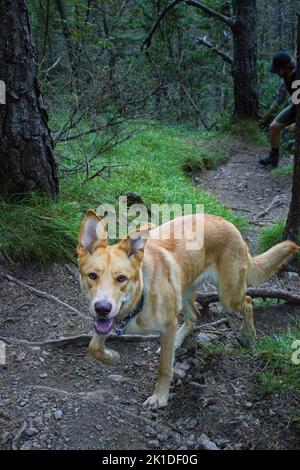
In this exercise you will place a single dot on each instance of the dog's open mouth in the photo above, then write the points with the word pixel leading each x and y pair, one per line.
pixel 103 325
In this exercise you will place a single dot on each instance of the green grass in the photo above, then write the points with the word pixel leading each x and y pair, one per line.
pixel 279 370
pixel 42 229
pixel 273 234
pixel 244 129
pixel 39 229
pixel 287 170
pixel 277 365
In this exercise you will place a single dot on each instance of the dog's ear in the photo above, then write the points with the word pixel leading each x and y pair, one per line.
pixel 135 242
pixel 92 232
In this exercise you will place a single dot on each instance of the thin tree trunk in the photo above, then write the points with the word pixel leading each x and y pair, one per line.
pixel 70 45
pixel 280 25
pixel 293 221
pixel 26 147
pixel 46 32
pixel 110 52
pixel 245 59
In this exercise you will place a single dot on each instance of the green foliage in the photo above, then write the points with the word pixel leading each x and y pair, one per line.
pixel 273 234
pixel 38 228
pixel 287 170
pixel 244 129
pixel 279 372
pixel 43 229
pixel 207 157
pixel 269 84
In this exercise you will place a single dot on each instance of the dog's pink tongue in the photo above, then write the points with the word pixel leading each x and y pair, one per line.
pixel 103 325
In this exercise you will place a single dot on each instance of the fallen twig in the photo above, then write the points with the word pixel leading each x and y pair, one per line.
pixel 84 339
pixel 16 308
pixel 17 439
pixel 73 270
pixel 212 324
pixel 197 385
pixel 277 201
pixel 79 340
pixel 263 293
pixel 49 69
pixel 40 293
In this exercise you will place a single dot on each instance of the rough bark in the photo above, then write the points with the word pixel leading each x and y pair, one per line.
pixel 293 221
pixel 26 148
pixel 245 59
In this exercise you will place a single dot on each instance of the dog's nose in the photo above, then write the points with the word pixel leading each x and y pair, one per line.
pixel 102 308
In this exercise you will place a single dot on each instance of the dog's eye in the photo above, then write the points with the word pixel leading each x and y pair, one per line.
pixel 121 278
pixel 93 276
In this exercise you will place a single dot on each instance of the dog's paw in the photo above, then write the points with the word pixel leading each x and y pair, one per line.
pixel 108 356
pixel 156 401
pixel 245 340
pixel 111 357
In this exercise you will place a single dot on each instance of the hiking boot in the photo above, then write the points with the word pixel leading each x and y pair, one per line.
pixel 270 160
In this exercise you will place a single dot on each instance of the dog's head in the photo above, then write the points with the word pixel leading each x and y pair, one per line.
pixel 109 275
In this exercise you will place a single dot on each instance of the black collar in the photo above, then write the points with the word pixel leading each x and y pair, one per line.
pixel 121 326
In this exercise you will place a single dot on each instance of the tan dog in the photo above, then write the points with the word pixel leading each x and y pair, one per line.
pixel 155 279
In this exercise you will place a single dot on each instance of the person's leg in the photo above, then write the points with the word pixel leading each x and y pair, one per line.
pixel 275 130
pixel 285 118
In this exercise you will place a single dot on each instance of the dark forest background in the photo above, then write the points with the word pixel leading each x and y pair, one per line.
pixel 97 51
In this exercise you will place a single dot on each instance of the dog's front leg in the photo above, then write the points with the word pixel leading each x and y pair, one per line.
pixel 99 351
pixel 165 371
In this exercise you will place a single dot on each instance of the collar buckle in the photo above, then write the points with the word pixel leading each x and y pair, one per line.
pixel 120 328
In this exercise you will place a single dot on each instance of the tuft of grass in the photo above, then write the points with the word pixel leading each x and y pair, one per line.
pixel 273 234
pixel 279 355
pixel 206 159
pixel 280 370
pixel 39 229
pixel 261 303
pixel 287 170
pixel 244 129
pixel 42 229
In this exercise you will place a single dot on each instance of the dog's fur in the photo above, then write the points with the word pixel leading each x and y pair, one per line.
pixel 169 275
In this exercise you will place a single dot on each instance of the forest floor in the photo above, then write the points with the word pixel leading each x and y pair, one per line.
pixel 60 398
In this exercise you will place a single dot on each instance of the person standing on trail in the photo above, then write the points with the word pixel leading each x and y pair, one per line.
pixel 283 66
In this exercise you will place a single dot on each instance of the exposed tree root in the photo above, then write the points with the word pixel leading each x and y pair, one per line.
pixel 277 201
pixel 17 439
pixel 42 294
pixel 264 293
pixel 84 339
pixel 79 340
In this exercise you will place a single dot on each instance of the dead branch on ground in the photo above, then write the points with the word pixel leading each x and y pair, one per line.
pixel 41 294
pixel 255 292
pixel 17 439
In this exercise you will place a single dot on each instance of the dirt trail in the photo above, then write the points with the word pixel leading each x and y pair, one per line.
pixel 70 401
pixel 249 189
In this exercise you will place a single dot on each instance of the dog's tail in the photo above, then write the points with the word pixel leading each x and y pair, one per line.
pixel 263 266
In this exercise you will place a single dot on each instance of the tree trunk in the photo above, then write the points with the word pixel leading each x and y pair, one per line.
pixel 293 221
pixel 71 45
pixel 245 59
pixel 26 148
